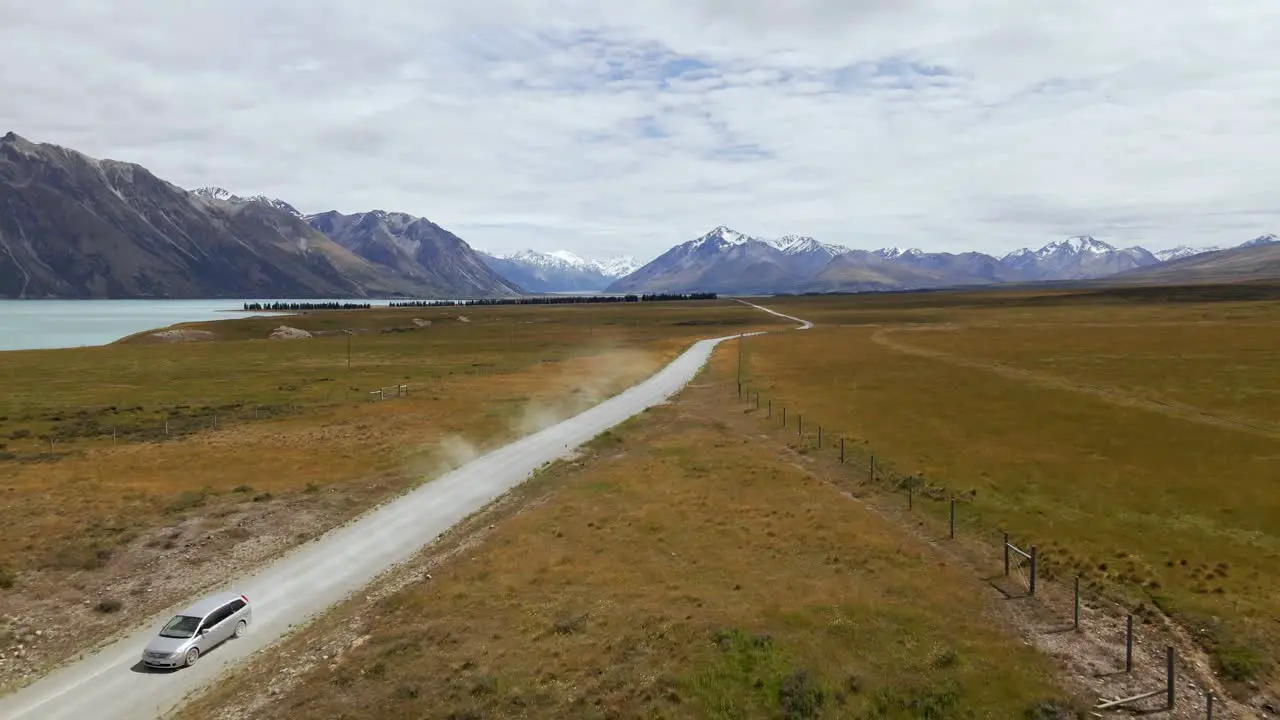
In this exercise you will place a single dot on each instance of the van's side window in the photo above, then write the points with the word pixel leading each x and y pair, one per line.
pixel 217 616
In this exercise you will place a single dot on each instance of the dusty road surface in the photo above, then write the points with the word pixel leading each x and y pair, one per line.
pixel 110 684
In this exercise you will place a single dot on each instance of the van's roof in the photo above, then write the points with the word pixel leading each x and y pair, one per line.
pixel 206 605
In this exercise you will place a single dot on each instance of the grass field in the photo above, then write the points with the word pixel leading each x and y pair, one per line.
pixel 273 438
pixel 1135 440
pixel 684 567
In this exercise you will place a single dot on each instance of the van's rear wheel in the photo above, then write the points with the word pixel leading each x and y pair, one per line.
pixel 240 628
pixel 192 656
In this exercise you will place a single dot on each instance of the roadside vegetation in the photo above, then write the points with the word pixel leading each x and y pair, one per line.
pixel 685 566
pixel 134 474
pixel 1134 436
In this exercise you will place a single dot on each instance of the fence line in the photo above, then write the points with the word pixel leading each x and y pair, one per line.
pixel 1029 555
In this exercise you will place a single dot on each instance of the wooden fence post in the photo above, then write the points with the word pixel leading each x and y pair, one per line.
pixel 770 415
pixel 1169 699
pixel 1006 554
pixel 800 424
pixel 819 437
pixel 784 416
pixel 1128 644
pixel 1077 610
pixel 953 518
pixel 871 473
pixel 841 449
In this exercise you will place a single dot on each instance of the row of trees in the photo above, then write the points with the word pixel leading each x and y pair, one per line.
pixel 559 300
pixel 541 300
pixel 306 306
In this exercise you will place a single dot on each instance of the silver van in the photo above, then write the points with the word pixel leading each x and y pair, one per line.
pixel 198 629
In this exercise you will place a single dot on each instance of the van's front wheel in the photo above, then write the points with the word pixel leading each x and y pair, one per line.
pixel 192 656
pixel 240 628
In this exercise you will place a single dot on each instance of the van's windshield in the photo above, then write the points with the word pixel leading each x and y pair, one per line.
pixel 181 626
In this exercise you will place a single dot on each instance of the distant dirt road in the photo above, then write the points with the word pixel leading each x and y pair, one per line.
pixel 110 685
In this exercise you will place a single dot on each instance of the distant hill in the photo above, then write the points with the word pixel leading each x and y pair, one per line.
pixel 1258 259
pixel 73 226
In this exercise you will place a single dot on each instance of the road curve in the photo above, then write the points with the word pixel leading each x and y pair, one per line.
pixel 295 588
pixel 804 324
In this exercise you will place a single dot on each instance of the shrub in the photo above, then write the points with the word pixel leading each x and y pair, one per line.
pixel 188 500
pixel 945 659
pixel 800 696
pixel 108 606
pixel 7 579
pixel 1240 663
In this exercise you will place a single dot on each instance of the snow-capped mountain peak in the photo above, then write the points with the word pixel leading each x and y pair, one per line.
pixel 569 258
pixel 1181 251
pixel 1080 244
pixel 565 261
pixel 893 253
pixel 216 193
pixel 617 267
pixel 803 244
pixel 721 235
pixel 1267 239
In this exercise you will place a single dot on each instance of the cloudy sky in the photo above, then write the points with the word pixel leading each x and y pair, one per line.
pixel 609 127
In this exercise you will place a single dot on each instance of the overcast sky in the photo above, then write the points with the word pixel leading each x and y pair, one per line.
pixel 607 127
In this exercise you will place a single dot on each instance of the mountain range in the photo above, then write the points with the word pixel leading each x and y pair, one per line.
pixel 727 261
pixel 559 271
pixel 74 226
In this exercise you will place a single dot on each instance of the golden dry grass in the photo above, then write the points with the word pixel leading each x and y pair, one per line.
pixel 508 371
pixel 76 517
pixel 1134 442
pixel 680 569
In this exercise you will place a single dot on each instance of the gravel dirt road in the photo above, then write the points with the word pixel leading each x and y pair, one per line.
pixel 110 684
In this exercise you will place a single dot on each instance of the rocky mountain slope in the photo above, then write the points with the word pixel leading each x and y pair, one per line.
pixel 1257 259
pixel 559 271
pixel 728 261
pixel 73 226
pixel 415 248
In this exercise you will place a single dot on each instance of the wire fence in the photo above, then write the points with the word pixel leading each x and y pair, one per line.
pixel 1022 564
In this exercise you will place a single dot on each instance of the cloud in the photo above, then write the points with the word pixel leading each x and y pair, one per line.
pixel 604 128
